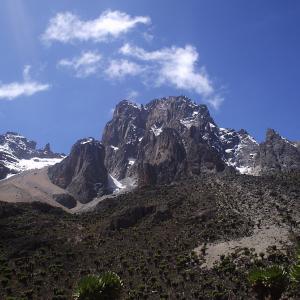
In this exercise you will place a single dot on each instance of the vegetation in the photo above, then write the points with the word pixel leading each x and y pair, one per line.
pixel 269 282
pixel 272 281
pixel 105 287
pixel 45 252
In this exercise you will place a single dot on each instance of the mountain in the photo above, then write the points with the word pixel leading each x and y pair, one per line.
pixel 166 140
pixel 162 201
pixel 82 173
pixel 195 239
pixel 18 154
pixel 140 139
pixel 277 154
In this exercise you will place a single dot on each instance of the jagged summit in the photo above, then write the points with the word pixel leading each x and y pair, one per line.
pixel 17 154
pixel 277 154
pixel 124 136
pixel 165 140
pixel 82 173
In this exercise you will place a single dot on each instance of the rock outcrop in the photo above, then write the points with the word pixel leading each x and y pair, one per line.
pixel 161 158
pixel 277 154
pixel 162 141
pixel 82 173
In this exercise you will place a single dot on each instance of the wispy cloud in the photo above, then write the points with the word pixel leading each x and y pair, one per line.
pixel 88 63
pixel 132 95
pixel 67 27
pixel 28 87
pixel 177 67
pixel 122 67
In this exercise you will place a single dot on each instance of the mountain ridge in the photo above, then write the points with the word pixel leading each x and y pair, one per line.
pixel 165 140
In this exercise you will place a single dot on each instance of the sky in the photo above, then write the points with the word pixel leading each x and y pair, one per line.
pixel 64 65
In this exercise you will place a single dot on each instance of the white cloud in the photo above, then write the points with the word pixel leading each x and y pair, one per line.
pixel 177 67
pixel 84 65
pixel 26 73
pixel 28 87
pixel 148 37
pixel 122 67
pixel 132 95
pixel 215 101
pixel 67 27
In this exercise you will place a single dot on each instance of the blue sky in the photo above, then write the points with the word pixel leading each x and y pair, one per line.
pixel 66 64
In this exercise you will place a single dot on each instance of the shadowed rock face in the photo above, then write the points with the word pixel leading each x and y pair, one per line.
pixel 82 173
pixel 162 141
pixel 4 171
pixel 161 158
pixel 277 154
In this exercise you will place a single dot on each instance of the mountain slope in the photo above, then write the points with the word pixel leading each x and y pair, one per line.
pixel 158 239
pixel 18 154
pixel 169 139
pixel 208 148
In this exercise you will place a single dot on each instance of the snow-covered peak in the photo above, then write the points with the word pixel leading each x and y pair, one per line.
pixel 17 154
pixel 240 149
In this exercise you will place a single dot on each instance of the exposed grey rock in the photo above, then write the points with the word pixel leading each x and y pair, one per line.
pixel 82 173
pixel 240 149
pixel 277 154
pixel 161 158
pixel 161 141
pixel 4 171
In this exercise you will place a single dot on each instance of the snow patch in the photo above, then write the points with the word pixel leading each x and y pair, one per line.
pixel 156 130
pixel 86 141
pixel 114 184
pixel 131 161
pixel 30 164
pixel 114 148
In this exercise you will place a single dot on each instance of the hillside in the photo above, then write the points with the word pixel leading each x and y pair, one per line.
pixel 158 239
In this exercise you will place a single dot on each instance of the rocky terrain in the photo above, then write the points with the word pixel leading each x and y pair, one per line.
pixel 164 241
pixel 166 140
pixel 179 207
pixel 18 154
pixel 176 134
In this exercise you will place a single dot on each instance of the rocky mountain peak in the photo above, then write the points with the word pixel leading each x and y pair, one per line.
pixel 17 154
pixel 277 154
pixel 126 107
pixel 126 134
pixel 82 173
pixel 271 135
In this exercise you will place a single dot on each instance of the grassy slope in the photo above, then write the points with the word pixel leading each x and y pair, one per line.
pixel 44 251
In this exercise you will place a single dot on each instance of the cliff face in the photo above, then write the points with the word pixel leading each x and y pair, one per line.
pixel 160 140
pixel 163 141
pixel 277 154
pixel 82 173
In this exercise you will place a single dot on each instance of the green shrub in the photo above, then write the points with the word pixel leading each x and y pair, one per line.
pixel 94 287
pixel 295 270
pixel 269 281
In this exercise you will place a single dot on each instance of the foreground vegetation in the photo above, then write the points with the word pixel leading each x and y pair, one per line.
pixel 148 238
